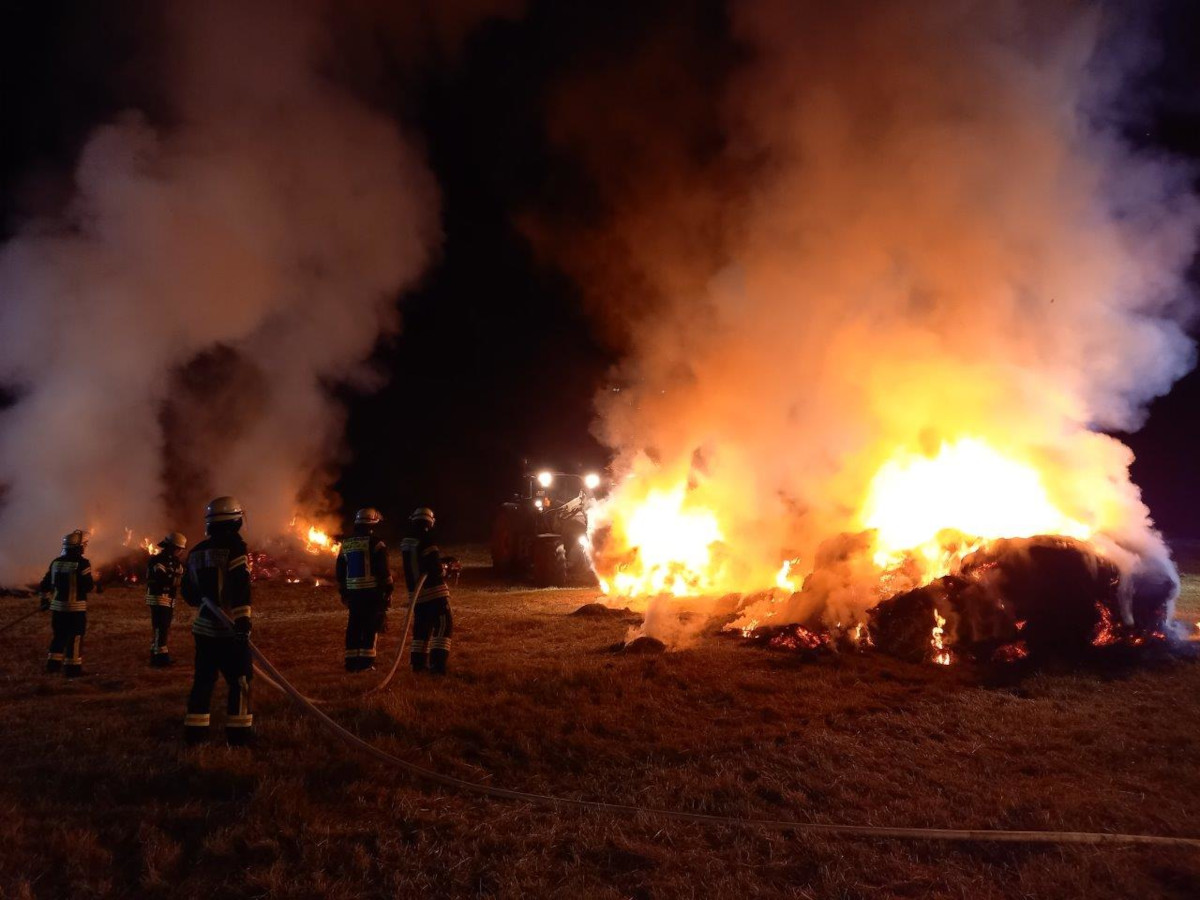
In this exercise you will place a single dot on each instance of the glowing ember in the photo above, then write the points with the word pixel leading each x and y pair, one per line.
pixel 918 505
pixel 797 638
pixel 1106 628
pixel 941 655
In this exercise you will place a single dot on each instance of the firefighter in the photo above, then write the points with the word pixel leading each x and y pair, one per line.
pixel 432 623
pixel 163 574
pixel 64 591
pixel 365 583
pixel 217 575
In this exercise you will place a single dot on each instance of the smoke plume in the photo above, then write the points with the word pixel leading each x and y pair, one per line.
pixel 173 332
pixel 906 224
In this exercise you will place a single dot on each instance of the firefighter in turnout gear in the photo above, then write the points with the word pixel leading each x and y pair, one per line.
pixel 218 574
pixel 432 623
pixel 163 574
pixel 365 583
pixel 64 591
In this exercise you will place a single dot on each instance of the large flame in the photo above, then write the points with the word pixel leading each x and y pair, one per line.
pixel 315 539
pixel 924 513
pixel 938 508
pixel 669 546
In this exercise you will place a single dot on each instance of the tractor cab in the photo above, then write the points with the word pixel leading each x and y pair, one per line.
pixel 541 533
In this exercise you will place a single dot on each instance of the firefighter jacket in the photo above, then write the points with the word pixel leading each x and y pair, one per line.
pixel 68 582
pixel 362 565
pixel 422 557
pixel 217 570
pixel 163 575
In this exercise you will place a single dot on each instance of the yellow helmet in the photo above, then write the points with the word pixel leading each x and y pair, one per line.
pixel 174 539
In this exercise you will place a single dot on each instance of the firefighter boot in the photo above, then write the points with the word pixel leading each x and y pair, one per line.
pixel 438 658
pixel 195 728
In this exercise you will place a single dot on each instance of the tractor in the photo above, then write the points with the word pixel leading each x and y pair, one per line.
pixel 541 533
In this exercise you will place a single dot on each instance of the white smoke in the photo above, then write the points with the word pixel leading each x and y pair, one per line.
pixel 273 220
pixel 922 226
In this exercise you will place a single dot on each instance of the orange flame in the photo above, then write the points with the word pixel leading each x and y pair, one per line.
pixel 938 509
pixel 670 547
pixel 925 513
pixel 316 540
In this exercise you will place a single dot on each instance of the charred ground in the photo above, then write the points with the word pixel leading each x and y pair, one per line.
pixel 99 798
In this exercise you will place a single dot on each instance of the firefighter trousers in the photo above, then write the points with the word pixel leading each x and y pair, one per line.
pixel 432 625
pixel 66 644
pixel 230 658
pixel 160 622
pixel 367 610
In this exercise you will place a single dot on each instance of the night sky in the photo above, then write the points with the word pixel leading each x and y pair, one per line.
pixel 496 337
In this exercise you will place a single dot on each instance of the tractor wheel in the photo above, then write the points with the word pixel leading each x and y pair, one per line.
pixel 549 561
pixel 504 544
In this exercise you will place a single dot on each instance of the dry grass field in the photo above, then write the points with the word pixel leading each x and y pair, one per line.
pixel 98 797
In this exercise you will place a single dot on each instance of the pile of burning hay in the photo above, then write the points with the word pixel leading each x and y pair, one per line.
pixel 1031 598
pixel 284 561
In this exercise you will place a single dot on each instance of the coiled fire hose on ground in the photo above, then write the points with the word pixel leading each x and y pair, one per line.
pixel 976 835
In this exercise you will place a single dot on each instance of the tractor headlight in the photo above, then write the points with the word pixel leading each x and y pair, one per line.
pixel 591 480
pixel 545 479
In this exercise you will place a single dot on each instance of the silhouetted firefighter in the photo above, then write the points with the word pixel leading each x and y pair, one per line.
pixel 432 623
pixel 64 591
pixel 217 573
pixel 163 574
pixel 365 582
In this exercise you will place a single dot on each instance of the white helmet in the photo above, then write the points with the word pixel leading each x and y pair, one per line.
pixel 224 509
pixel 422 514
pixel 368 516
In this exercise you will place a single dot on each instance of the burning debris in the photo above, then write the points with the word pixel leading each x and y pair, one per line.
pixel 894 362
pixel 304 555
pixel 1040 597
pixel 949 562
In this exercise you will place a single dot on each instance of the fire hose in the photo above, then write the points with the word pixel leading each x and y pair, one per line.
pixel 20 619
pixel 412 605
pixel 627 810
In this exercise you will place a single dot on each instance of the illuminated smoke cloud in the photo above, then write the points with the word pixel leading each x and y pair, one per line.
pixel 173 333
pixel 914 224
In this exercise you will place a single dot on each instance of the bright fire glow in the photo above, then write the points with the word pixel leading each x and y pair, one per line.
pixel 925 513
pixel 783 578
pixel 316 541
pixel 941 655
pixel 969 488
pixel 147 544
pixel 671 545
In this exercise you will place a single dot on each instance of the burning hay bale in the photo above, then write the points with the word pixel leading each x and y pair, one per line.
pixel 1041 596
